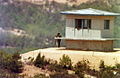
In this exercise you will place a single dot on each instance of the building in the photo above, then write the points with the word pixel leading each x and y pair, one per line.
pixel 89 29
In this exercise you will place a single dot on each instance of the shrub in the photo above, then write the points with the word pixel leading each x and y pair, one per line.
pixel 66 62
pixel 102 65
pixel 15 65
pixel 79 73
pixel 30 60
pixel 10 63
pixel 40 76
pixel 81 67
pixel 63 75
pixel 106 71
pixel 16 56
pixel 57 68
pixel 117 65
pixel 40 61
pixel 106 74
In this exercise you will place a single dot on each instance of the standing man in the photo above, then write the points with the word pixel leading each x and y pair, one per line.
pixel 58 40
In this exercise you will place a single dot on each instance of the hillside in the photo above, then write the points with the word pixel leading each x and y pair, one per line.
pixel 69 2
pixel 42 22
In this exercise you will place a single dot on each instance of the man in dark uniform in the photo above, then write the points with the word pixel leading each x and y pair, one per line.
pixel 58 40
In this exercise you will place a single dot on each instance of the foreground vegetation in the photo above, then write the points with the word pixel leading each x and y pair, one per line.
pixel 80 70
pixel 11 66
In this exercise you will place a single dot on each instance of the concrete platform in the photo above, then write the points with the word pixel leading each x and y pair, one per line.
pixel 94 45
pixel 94 57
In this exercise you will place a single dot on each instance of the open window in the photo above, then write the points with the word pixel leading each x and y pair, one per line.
pixel 106 24
pixel 78 23
pixel 83 23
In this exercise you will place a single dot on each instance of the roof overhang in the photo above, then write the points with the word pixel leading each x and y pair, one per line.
pixel 97 39
pixel 90 12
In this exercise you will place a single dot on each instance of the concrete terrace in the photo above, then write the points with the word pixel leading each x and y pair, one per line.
pixel 94 57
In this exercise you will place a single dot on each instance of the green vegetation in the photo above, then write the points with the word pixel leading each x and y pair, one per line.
pixel 41 23
pixel 102 65
pixel 106 71
pixel 66 62
pixel 81 67
pixel 40 76
pixel 63 75
pixel 10 65
pixel 15 65
pixel 40 61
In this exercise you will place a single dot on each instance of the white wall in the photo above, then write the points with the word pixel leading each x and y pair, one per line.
pixel 97 27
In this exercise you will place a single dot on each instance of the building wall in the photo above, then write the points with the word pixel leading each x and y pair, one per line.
pixel 97 27
pixel 90 45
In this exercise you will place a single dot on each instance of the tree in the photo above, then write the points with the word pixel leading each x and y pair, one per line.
pixel 40 61
pixel 66 62
pixel 15 65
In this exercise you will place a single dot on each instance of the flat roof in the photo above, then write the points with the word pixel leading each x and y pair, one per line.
pixel 91 12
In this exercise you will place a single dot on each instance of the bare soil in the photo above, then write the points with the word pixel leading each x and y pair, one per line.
pixel 94 57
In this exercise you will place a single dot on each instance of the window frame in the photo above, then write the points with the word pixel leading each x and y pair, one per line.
pixel 83 23
pixel 106 24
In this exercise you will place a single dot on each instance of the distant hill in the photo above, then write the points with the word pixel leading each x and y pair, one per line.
pixel 42 22
pixel 69 2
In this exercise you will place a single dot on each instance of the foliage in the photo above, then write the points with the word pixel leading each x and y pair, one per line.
pixel 40 61
pixel 15 64
pixel 106 71
pixel 102 65
pixel 117 65
pixel 11 63
pixel 81 67
pixel 30 61
pixel 5 74
pixel 57 68
pixel 66 62
pixel 106 74
pixel 63 75
pixel 40 76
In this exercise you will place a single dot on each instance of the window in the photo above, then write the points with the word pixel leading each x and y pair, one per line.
pixel 83 23
pixel 106 24
pixel 78 23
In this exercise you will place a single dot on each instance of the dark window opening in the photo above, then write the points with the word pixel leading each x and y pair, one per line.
pixel 78 23
pixel 83 23
pixel 106 24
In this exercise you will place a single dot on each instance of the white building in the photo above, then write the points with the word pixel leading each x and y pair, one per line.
pixel 89 29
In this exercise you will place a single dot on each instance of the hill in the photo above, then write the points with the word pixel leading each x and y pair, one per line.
pixel 42 22
pixel 69 2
